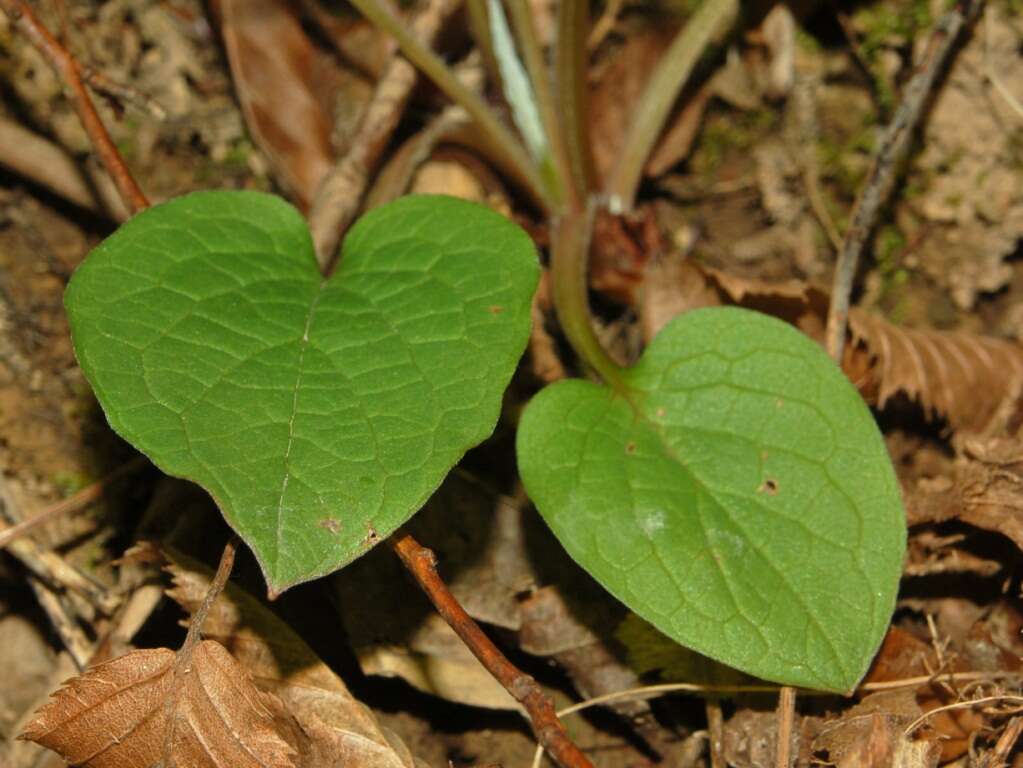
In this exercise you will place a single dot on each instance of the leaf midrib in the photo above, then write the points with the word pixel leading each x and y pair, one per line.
pixel 303 346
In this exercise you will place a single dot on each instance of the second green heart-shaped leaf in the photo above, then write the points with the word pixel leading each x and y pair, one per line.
pixel 320 414
pixel 736 494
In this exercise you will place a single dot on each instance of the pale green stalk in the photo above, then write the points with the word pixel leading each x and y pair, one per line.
pixel 571 66
pixel 500 141
pixel 712 20
pixel 570 248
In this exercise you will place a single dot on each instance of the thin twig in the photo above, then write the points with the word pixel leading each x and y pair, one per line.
pixel 341 192
pixel 182 664
pixel 549 731
pixel 1017 700
pixel 999 754
pixel 64 623
pixel 70 72
pixel 123 92
pixel 786 717
pixel 892 149
pixel 216 587
pixel 53 569
pixel 74 503
pixel 715 732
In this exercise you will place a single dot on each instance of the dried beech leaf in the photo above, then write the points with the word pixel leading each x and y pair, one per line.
pixel 275 68
pixel 116 715
pixel 964 377
pixel 282 663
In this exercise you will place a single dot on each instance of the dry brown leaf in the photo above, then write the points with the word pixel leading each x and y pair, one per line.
pixel 275 68
pixel 116 715
pixel 964 377
pixel 985 490
pixel 337 728
pixel 866 736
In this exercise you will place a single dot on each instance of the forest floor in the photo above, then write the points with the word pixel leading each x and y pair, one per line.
pixel 744 202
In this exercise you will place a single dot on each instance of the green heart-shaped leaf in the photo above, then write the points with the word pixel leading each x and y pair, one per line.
pixel 736 494
pixel 320 414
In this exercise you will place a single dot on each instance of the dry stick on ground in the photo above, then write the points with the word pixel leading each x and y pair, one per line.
pixel 715 732
pixel 549 731
pixel 884 169
pixel 51 166
pixel 74 503
pixel 340 193
pixel 70 72
pixel 51 568
pixel 194 636
pixel 786 717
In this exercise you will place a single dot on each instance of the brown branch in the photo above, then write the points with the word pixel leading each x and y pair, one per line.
pixel 891 150
pixel 70 72
pixel 786 717
pixel 183 662
pixel 549 731
pixel 216 587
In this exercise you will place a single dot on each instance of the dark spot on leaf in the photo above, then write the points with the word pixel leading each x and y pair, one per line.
pixel 332 525
pixel 660 413
pixel 495 310
pixel 630 447
pixel 769 486
pixel 372 537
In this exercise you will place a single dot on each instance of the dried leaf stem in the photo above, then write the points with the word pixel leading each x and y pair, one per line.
pixel 71 73
pixel 182 664
pixel 891 150
pixel 216 587
pixel 549 731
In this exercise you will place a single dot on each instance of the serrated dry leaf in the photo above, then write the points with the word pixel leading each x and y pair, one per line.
pixel 117 715
pixel 965 377
pixel 338 729
pixel 275 69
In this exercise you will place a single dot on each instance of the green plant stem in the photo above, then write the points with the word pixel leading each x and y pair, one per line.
pixel 660 95
pixel 479 26
pixel 570 247
pixel 571 67
pixel 501 141
pixel 525 32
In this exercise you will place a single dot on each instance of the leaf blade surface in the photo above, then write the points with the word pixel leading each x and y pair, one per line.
pixel 320 414
pixel 738 497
